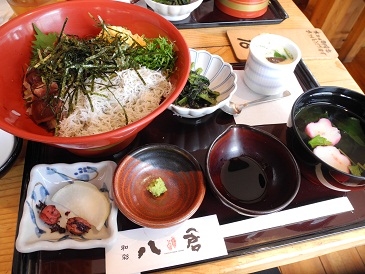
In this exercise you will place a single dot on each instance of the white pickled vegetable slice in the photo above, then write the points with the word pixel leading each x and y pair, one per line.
pixel 332 156
pixel 86 201
pixel 324 129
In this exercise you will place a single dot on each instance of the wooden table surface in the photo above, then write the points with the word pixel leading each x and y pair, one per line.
pixel 327 72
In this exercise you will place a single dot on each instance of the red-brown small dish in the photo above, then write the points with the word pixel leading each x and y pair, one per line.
pixel 251 171
pixel 181 174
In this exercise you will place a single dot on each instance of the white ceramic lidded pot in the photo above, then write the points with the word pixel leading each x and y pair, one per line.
pixel 271 59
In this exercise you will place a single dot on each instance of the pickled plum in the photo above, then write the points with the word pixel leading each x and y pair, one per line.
pixel 324 129
pixel 50 215
pixel 77 226
pixel 332 156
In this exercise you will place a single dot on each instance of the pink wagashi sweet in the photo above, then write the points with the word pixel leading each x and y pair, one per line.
pixel 325 129
pixel 332 156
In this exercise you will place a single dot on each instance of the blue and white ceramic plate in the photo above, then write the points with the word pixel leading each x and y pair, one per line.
pixel 45 180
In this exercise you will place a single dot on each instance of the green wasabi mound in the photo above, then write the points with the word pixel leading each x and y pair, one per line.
pixel 157 187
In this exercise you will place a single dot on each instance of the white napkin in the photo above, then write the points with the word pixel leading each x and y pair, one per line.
pixel 144 249
pixel 276 112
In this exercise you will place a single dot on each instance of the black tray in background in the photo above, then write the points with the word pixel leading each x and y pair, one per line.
pixel 194 135
pixel 208 15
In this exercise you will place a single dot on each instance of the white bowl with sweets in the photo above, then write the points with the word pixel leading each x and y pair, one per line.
pixel 174 10
pixel 196 102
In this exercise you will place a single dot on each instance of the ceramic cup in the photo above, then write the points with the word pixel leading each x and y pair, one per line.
pixel 262 75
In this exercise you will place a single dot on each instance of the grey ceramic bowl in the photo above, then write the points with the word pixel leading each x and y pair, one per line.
pixel 10 150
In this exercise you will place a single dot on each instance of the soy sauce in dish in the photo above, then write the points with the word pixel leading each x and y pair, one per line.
pixel 244 179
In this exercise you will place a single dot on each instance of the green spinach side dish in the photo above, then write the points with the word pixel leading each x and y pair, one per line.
pixel 196 93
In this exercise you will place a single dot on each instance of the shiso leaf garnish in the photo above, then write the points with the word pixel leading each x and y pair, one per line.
pixel 42 40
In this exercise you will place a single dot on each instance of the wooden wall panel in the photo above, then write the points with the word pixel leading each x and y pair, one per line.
pixel 337 19
pixel 355 40
pixel 344 261
pixel 304 267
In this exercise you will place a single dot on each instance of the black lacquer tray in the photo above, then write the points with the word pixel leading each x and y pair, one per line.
pixel 194 136
pixel 208 15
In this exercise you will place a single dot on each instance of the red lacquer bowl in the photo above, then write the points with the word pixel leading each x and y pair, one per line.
pixel 15 51
pixel 243 8
pixel 182 176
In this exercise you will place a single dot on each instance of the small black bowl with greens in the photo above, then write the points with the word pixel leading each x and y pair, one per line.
pixel 326 134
